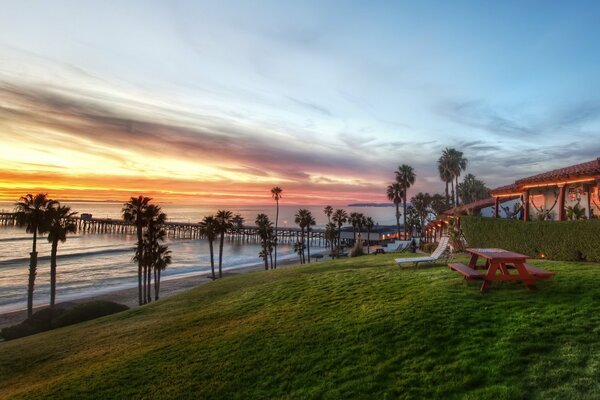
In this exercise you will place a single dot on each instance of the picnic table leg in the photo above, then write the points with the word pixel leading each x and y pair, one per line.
pixel 528 279
pixel 489 277
pixel 473 261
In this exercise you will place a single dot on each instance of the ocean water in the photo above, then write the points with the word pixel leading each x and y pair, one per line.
pixel 93 263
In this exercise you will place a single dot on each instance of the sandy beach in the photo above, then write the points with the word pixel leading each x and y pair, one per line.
pixel 129 296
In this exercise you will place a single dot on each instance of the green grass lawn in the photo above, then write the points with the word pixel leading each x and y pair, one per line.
pixel 347 329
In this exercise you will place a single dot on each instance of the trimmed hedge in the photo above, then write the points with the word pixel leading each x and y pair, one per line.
pixel 51 318
pixel 556 240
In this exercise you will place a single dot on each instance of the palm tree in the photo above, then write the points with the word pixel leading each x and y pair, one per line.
pixel 32 213
pixel 264 230
pixel 309 221
pixel 405 176
pixel 369 224
pixel 276 193
pixel 133 212
pixel 457 164
pixel 354 221
pixel 223 217
pixel 328 210
pixel 238 223
pixel 331 234
pixel 60 225
pixel 340 217
pixel 395 195
pixel 161 260
pixel 445 173
pixel 209 227
pixel 155 218
pixel 300 218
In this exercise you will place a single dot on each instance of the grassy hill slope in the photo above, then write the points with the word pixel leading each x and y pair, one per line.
pixel 356 328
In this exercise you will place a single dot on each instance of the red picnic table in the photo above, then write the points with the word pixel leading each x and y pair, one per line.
pixel 499 263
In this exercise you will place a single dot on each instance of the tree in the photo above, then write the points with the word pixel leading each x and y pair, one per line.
pixel 405 176
pixel 331 234
pixel 355 220
pixel 133 212
pixel 395 195
pixel 472 189
pixel 456 163
pixel 209 227
pixel 438 204
pixel 31 212
pixel 301 219
pixel 60 225
pixel 154 220
pixel 369 224
pixel 340 217
pixel 161 261
pixel 238 223
pixel 328 210
pixel 445 173
pixel 422 206
pixel 276 193
pixel 264 230
pixel 223 217
pixel 413 220
pixel 310 221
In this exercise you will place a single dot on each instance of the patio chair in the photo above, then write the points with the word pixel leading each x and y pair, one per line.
pixel 441 253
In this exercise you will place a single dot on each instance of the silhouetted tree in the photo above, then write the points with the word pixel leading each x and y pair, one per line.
pixel 60 225
pixel 133 212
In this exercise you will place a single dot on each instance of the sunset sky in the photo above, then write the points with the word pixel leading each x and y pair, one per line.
pixel 216 102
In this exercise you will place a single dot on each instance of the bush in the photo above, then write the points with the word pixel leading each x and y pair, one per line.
pixel 429 247
pixel 357 250
pixel 50 318
pixel 86 311
pixel 555 240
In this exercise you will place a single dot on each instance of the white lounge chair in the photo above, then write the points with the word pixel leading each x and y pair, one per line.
pixel 441 250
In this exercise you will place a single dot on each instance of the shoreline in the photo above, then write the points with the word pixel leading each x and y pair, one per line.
pixel 129 296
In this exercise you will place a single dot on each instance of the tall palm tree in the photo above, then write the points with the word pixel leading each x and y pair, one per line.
pixel 395 195
pixel 60 225
pixel 32 213
pixel 405 176
pixel 331 234
pixel 276 194
pixel 161 260
pixel 354 221
pixel 458 163
pixel 209 227
pixel 309 221
pixel 445 171
pixel 155 218
pixel 340 217
pixel 369 224
pixel 133 212
pixel 223 217
pixel 300 218
pixel 328 210
pixel 264 230
pixel 238 223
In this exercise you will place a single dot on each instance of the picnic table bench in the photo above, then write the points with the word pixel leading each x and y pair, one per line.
pixel 498 263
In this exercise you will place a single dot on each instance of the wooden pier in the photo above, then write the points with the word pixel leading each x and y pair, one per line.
pixel 182 230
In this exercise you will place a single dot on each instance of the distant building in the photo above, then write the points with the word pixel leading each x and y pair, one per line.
pixel 86 216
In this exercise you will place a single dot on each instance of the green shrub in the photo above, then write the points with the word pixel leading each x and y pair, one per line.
pixel 429 247
pixel 555 240
pixel 40 321
pixel 357 250
pixel 50 318
pixel 86 311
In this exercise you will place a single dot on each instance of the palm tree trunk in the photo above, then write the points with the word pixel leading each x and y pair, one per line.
pixel 221 254
pixel 447 195
pixel 308 242
pixel 404 206
pixel 32 273
pixel 212 259
pixel 53 272
pixel 368 241
pixel 149 290
pixel 453 198
pixel 339 238
pixel 156 283
pixel 398 219
pixel 140 260
pixel 276 221
pixel 457 194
